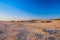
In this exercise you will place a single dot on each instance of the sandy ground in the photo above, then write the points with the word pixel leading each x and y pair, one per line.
pixel 29 31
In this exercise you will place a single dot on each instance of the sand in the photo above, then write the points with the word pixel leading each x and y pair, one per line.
pixel 29 31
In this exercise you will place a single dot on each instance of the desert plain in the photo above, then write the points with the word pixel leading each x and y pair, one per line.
pixel 30 30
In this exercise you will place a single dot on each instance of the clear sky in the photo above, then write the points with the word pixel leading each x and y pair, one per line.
pixel 29 9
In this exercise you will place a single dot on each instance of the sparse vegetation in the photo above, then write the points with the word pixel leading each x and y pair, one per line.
pixel 35 30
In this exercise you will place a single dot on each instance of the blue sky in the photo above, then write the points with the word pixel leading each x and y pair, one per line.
pixel 29 9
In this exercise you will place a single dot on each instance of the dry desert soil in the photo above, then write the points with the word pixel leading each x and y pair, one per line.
pixel 14 30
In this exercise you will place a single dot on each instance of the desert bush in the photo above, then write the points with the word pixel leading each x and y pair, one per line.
pixel 50 31
pixel 21 35
pixel 49 38
pixel 26 35
pixel 39 35
pixel 3 35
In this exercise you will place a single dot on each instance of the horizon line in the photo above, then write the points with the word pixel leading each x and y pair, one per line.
pixel 29 19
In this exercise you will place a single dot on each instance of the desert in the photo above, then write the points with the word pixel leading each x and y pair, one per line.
pixel 30 30
pixel 29 19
